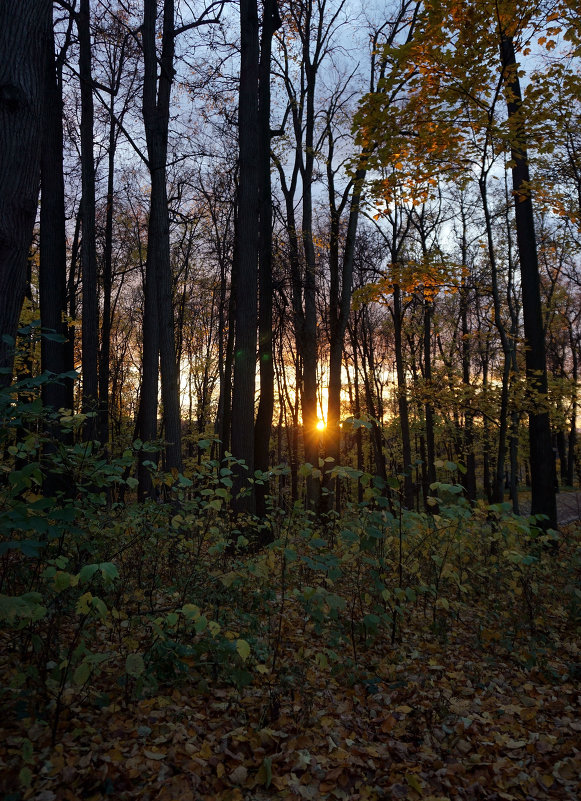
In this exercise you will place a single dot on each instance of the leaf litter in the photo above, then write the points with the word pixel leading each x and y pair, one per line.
pixel 433 716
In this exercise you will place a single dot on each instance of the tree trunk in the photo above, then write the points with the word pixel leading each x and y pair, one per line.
pixel 53 244
pixel 270 23
pixel 468 434
pixel 158 325
pixel 339 308
pixel 541 452
pixel 24 39
pixel 572 438
pixel 246 251
pixel 429 407
pixel 90 317
pixel 402 399
pixel 105 351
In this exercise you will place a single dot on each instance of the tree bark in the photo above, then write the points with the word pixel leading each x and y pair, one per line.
pixel 24 39
pixel 246 251
pixel 158 324
pixel 270 23
pixel 55 356
pixel 402 398
pixel 541 452
pixel 90 316
pixel 339 308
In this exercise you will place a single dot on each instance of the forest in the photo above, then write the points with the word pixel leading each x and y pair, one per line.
pixel 290 339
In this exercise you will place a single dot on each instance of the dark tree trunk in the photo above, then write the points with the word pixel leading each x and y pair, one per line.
pixel 150 356
pixel 402 398
pixel 225 405
pixel 72 281
pixel 311 434
pixel 246 251
pixel 55 356
pixel 497 486
pixel 158 324
pixel 572 438
pixel 468 435
pixel 339 308
pixel 540 445
pixel 24 40
pixel 90 316
pixel 429 407
pixel 105 352
pixel 270 23
pixel 357 409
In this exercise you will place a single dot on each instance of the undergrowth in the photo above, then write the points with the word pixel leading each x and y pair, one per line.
pixel 104 601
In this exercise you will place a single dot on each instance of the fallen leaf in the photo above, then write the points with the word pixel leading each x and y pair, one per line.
pixel 154 755
pixel 238 775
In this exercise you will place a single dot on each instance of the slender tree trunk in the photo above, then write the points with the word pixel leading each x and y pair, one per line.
pixel 72 280
pixel 53 244
pixel 24 39
pixel 572 438
pixel 497 489
pixel 402 399
pixel 158 325
pixel 225 404
pixel 339 308
pixel 105 352
pixel 368 368
pixel 246 251
pixel 468 434
pixel 357 411
pixel 498 482
pixel 429 407
pixel 513 450
pixel 90 317
pixel 541 452
pixel 270 23
pixel 150 356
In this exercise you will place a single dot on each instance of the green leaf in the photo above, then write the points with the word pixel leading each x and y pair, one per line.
pixel 371 622
pixel 25 777
pixel 62 581
pixel 27 751
pixel 201 624
pixel 191 611
pixel 134 665
pixel 81 674
pixel 25 607
pixel 109 571
pixel 87 572
pixel 26 547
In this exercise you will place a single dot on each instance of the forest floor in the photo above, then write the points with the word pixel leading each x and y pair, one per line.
pixel 471 709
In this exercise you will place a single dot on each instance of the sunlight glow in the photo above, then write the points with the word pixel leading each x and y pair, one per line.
pixel 321 425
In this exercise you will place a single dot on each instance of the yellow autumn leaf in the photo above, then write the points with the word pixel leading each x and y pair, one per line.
pixel 414 782
pixel 243 649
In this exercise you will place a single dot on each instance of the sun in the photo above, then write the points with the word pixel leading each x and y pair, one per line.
pixel 321 425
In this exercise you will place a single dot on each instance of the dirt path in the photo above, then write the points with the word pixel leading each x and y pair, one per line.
pixel 568 507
